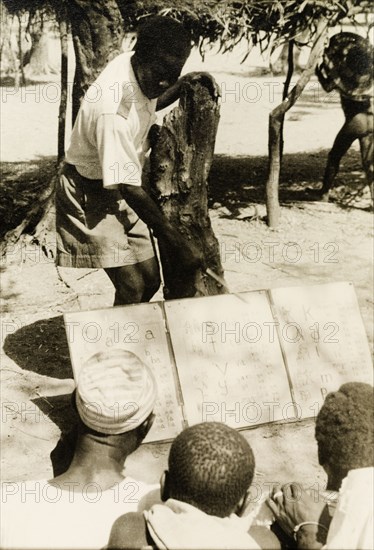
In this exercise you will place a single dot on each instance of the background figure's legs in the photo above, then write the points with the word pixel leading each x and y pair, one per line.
pixel 135 283
pixel 359 126
pixel 342 143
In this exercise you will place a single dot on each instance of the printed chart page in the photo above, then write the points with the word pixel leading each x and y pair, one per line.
pixel 229 360
pixel 324 340
pixel 140 329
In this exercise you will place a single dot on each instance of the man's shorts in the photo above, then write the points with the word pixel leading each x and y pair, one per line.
pixel 95 226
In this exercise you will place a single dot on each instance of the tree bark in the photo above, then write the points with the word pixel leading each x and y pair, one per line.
pixel 37 61
pixel 180 164
pixel 97 29
pixel 63 27
pixel 275 125
pixel 20 68
pixel 286 87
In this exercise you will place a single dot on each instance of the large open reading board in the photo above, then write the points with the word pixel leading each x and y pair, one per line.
pixel 243 359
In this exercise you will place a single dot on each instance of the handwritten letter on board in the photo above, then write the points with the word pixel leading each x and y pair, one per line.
pixel 229 359
pixel 322 334
pixel 141 330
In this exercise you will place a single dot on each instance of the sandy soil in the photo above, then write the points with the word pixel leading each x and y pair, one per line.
pixel 35 370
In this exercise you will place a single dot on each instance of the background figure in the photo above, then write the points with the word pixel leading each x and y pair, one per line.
pixel 347 67
pixel 77 508
pixel 345 437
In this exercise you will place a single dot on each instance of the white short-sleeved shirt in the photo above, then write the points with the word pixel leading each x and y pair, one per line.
pixel 352 525
pixel 38 515
pixel 109 138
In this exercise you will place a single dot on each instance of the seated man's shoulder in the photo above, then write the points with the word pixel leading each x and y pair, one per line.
pixel 129 531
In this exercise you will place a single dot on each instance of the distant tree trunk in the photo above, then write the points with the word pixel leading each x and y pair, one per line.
pixel 63 27
pixel 280 65
pixel 180 164
pixel 97 29
pixel 286 87
pixel 37 60
pixel 20 67
pixel 4 28
pixel 275 125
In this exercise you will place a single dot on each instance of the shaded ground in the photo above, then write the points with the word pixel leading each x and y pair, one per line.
pixel 35 371
pixel 300 172
pixel 21 185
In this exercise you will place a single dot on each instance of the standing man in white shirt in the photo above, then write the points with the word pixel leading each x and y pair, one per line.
pixel 115 396
pixel 103 214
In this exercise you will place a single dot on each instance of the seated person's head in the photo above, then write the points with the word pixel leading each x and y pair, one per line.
pixel 115 397
pixel 344 431
pixel 211 467
pixel 161 50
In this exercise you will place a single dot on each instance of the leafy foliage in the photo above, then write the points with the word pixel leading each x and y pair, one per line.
pixel 266 23
pixel 263 22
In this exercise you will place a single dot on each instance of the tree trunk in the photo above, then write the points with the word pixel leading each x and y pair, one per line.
pixel 20 68
pixel 63 27
pixel 286 87
pixel 275 125
pixel 180 164
pixel 97 29
pixel 39 64
pixel 5 30
pixel 36 61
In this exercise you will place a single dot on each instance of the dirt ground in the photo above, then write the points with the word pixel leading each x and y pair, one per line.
pixel 36 374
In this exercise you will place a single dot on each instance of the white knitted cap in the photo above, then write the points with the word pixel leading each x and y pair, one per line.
pixel 116 392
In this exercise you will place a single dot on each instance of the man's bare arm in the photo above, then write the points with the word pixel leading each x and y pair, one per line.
pixel 172 94
pixel 185 253
pixel 169 96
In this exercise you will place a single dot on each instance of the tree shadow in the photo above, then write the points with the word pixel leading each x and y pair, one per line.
pixel 9 81
pixel 235 182
pixel 21 185
pixel 41 347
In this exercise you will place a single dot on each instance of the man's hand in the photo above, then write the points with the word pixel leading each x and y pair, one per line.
pixel 184 254
pixel 206 79
pixel 173 93
pixel 190 257
pixel 291 506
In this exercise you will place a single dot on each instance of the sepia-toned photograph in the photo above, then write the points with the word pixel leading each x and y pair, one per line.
pixel 186 270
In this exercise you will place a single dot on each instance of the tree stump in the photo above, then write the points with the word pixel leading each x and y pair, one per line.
pixel 180 162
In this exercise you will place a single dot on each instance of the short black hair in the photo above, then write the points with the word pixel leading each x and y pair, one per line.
pixel 344 429
pixel 211 466
pixel 158 36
